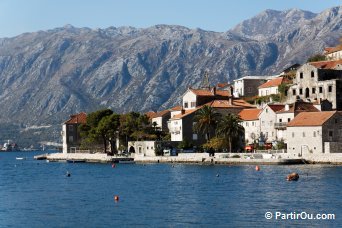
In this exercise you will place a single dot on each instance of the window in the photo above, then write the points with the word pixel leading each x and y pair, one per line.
pixel 70 127
pixel 312 74
pixel 193 104
pixel 252 123
pixel 330 88
pixel 330 133
pixel 320 89
pixel 313 90
pixel 263 123
pixel 336 121
pixel 288 119
pixel 301 75
pixel 314 134
pixel 303 134
pixel 246 124
pixel 147 148
pixel 194 136
pixel 249 89
pixel 71 138
pixel 185 104
pixel 292 134
pixel 266 110
pixel 300 91
pixel 151 147
pixel 294 92
pixel 280 120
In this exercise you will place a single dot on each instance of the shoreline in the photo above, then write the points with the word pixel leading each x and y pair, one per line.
pixel 200 158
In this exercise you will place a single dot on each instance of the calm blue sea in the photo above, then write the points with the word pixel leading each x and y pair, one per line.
pixel 38 194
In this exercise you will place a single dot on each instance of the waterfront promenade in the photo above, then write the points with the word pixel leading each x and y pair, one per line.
pixel 202 158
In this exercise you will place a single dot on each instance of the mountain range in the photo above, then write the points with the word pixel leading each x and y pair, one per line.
pixel 47 75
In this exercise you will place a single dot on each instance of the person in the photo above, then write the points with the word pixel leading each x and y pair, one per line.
pixel 211 152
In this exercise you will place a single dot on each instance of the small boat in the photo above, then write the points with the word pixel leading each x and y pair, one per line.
pixel 20 158
pixel 75 161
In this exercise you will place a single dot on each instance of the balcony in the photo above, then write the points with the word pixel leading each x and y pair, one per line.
pixel 280 125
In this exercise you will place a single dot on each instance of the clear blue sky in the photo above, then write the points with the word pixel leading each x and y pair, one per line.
pixel 19 16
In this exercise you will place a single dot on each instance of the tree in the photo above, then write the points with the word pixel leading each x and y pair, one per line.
pixel 229 128
pixel 206 119
pixel 109 127
pixel 317 57
pixel 91 132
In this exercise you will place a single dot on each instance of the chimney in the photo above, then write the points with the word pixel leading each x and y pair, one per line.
pixel 182 110
pixel 231 91
pixel 230 100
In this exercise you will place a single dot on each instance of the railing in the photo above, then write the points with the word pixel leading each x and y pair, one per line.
pixel 280 125
pixel 271 151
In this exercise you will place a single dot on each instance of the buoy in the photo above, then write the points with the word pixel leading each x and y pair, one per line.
pixel 68 174
pixel 116 198
pixel 292 177
pixel 257 168
pixel 217 175
pixel 113 165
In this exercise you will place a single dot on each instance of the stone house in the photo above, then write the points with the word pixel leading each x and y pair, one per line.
pixel 160 118
pixel 318 81
pixel 311 133
pixel 248 86
pixel 70 133
pixel 251 124
pixel 270 87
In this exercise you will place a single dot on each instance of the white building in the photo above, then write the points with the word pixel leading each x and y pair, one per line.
pixel 70 134
pixel 333 53
pixel 268 118
pixel 251 124
pixel 270 87
pixel 315 133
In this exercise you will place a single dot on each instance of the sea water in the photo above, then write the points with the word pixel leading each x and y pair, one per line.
pixel 39 194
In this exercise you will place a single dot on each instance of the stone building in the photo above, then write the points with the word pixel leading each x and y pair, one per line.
pixel 311 133
pixel 318 81
pixel 70 134
pixel 268 118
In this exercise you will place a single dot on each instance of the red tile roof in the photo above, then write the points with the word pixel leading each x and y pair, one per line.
pixel 161 113
pixel 222 85
pixel 80 118
pixel 250 114
pixel 299 106
pixel 306 119
pixel 226 104
pixel 326 64
pixel 272 83
pixel 205 92
pixel 276 107
pixel 176 108
pixel 329 50
pixel 150 114
pixel 186 112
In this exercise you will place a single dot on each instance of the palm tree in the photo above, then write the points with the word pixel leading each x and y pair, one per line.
pixel 229 128
pixel 206 119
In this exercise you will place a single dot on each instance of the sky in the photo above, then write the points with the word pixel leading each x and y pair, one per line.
pixel 19 16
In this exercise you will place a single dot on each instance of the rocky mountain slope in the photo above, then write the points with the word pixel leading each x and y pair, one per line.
pixel 47 75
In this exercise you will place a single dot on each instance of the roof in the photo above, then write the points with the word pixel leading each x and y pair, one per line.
pixel 226 104
pixel 252 77
pixel 329 50
pixel 250 114
pixel 176 108
pixel 185 113
pixel 276 107
pixel 222 85
pixel 272 83
pixel 299 106
pixel 205 92
pixel 326 64
pixel 79 118
pixel 150 114
pixel 306 119
pixel 161 113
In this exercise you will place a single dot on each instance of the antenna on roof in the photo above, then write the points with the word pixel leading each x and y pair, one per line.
pixel 205 81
